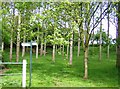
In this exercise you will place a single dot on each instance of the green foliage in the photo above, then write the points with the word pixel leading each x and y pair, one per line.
pixel 104 38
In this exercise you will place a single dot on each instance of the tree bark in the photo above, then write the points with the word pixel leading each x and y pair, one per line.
pixel 86 63
pixel 37 51
pixel 56 50
pixel 93 33
pixel 108 35
pixel 100 47
pixel 41 49
pixel 37 45
pixel 11 38
pixel 18 40
pixel 67 51
pixel 71 48
pixel 2 46
pixel 78 54
pixel 11 47
pixel 53 56
pixel 23 47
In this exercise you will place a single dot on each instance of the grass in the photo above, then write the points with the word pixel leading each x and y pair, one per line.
pixel 59 74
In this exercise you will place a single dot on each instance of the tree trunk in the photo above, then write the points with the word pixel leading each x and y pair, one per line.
pixel 41 49
pixel 11 39
pixel 67 51
pixel 23 47
pixel 18 47
pixel 93 34
pixel 53 56
pixel 37 45
pixel 78 54
pixel 86 63
pixel 37 51
pixel 18 40
pixel 71 48
pixel 56 50
pixel 2 46
pixel 11 47
pixel 79 32
pixel 100 48
pixel 108 36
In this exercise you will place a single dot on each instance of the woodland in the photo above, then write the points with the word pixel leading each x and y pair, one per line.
pixel 73 48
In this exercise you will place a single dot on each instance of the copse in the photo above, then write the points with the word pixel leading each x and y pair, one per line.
pixel 56 23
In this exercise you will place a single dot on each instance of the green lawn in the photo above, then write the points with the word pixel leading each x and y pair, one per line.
pixel 59 74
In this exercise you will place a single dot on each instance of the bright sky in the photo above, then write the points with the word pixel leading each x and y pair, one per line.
pixel 112 28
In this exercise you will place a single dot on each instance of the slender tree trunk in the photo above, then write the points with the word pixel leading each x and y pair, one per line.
pixel 18 47
pixel 37 48
pixel 78 54
pixel 11 47
pixel 93 35
pixel 71 48
pixel 41 49
pixel 86 63
pixel 67 51
pixel 18 40
pixel 56 50
pixel 2 46
pixel 37 51
pixel 108 36
pixel 100 49
pixel 11 39
pixel 53 56
pixel 23 47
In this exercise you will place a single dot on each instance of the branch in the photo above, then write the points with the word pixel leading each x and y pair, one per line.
pixel 95 10
pixel 99 20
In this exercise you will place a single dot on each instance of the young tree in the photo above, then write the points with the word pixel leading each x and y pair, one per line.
pixel 18 38
pixel 11 38
pixel 108 46
pixel 71 45
pixel 100 42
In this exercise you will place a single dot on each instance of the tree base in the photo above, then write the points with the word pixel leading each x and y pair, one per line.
pixel 85 78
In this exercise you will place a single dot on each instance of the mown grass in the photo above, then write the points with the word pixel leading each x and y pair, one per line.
pixel 59 74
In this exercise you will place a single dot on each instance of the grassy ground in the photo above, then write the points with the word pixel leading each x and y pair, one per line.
pixel 59 74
